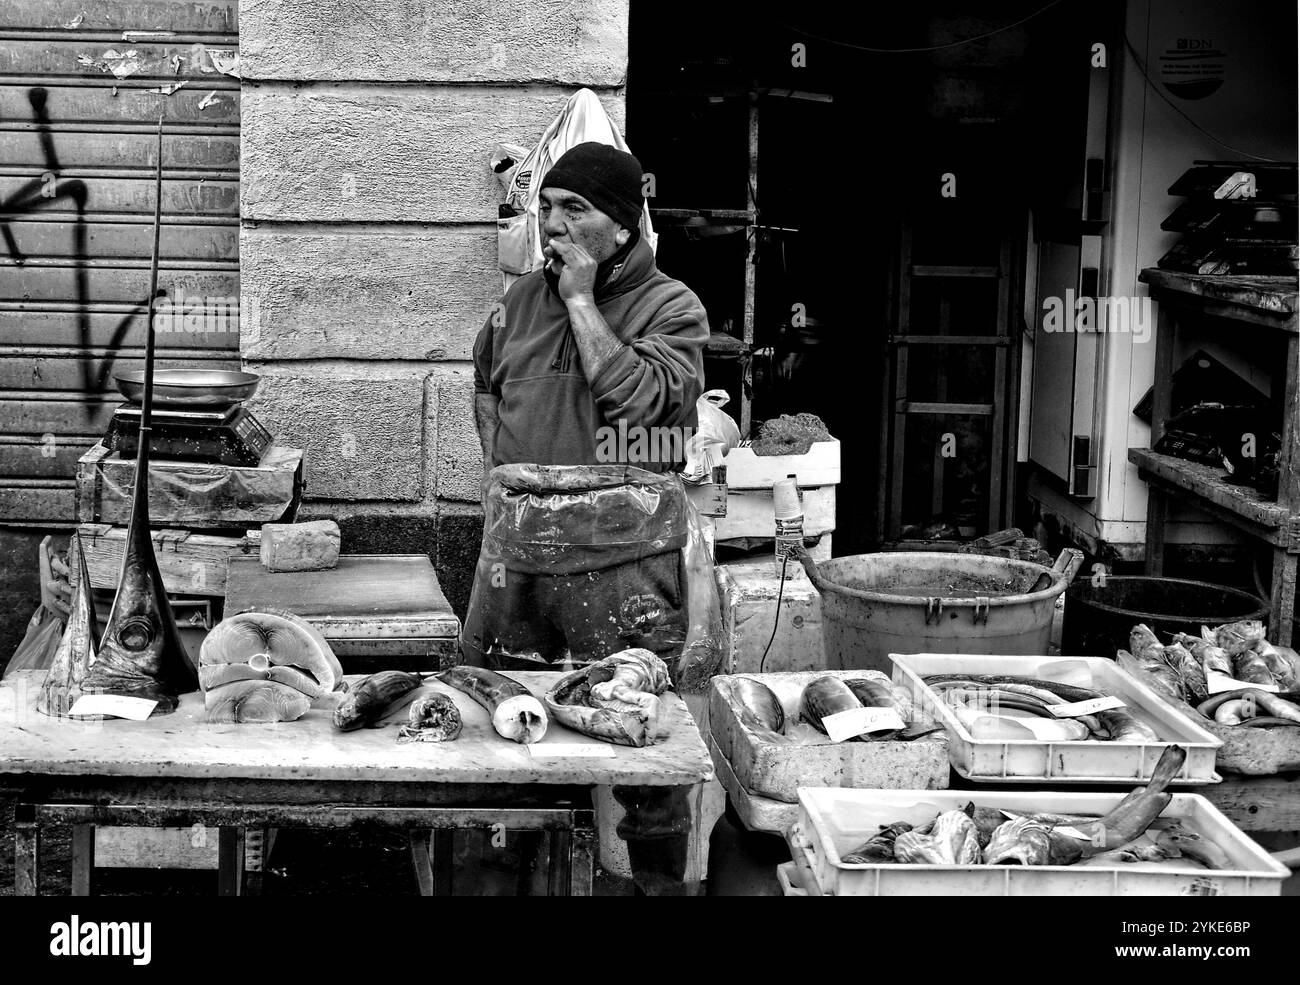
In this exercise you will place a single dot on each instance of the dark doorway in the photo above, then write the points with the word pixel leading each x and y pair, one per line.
pixel 849 201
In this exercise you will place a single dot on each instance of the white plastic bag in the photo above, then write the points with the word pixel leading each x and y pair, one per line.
pixel 715 435
pixel 583 118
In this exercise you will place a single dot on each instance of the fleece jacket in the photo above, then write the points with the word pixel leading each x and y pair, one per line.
pixel 549 414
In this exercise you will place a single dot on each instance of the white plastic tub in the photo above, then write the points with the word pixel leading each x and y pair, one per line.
pixel 1032 761
pixel 834 820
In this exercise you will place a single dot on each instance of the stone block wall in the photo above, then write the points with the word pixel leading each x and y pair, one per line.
pixel 368 236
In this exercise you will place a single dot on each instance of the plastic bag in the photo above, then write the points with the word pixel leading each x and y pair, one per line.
pixel 44 630
pixel 505 161
pixel 715 435
pixel 583 118
pixel 582 561
pixel 706 637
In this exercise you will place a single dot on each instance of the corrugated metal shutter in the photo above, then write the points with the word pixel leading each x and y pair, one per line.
pixel 76 208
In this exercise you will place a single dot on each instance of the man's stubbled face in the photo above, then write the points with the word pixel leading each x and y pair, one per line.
pixel 570 218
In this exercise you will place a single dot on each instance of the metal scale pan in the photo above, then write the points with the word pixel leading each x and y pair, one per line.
pixel 197 416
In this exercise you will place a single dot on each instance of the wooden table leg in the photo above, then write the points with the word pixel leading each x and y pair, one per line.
pixel 441 848
pixel 83 858
pixel 230 862
pixel 582 859
pixel 27 852
pixel 1157 511
pixel 1282 610
pixel 421 861
pixel 254 860
pixel 560 867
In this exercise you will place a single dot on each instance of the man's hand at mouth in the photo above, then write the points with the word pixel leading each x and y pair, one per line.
pixel 577 270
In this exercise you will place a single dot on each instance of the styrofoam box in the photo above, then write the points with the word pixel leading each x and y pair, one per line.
pixel 777 769
pixel 833 821
pixel 819 467
pixel 749 590
pixel 751 513
pixel 1089 761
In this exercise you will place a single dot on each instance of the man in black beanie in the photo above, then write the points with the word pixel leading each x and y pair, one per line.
pixel 596 342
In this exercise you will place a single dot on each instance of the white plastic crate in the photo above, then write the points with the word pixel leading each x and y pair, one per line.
pixel 1032 761
pixel 833 820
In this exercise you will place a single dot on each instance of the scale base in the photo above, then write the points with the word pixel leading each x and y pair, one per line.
pixel 224 437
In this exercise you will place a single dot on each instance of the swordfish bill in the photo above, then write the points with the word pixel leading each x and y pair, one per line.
pixel 141 654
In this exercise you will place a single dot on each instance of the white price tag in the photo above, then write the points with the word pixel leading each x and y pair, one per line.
pixel 1216 683
pixel 846 724
pixel 1089 707
pixel 116 705
pixel 571 750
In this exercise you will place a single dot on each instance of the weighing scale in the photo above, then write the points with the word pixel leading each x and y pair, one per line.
pixel 229 436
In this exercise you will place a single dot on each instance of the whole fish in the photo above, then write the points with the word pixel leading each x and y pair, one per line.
pixel 760 708
pixel 871 693
pixel 1132 816
pixel 1249 667
pixel 516 714
pixel 1189 670
pixel 879 848
pixel 1066 692
pixel 1211 656
pixel 433 717
pixel 823 697
pixel 1290 680
pixel 1175 836
pixel 1124 727
pixel 1233 712
pixel 1277 664
pixel 915 848
pixel 1278 707
pixel 957 837
pixel 372 699
pixel 1020 841
pixel 1155 673
pixel 1142 643
pixel 1144 848
pixel 1237 636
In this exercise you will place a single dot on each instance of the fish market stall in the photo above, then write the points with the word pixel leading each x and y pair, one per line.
pixel 180 769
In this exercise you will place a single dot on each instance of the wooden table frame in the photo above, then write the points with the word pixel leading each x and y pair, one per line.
pixel 178 770
pixel 430 813
pixel 1277 524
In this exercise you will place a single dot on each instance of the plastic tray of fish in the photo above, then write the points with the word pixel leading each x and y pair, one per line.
pixel 1080 761
pixel 833 821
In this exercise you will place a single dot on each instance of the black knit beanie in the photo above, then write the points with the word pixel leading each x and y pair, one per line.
pixel 608 178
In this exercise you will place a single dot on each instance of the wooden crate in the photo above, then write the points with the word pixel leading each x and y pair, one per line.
pixel 382 606
pixel 191 564
pixel 777 770
pixel 196 495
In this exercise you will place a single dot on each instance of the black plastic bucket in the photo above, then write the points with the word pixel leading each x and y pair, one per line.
pixel 1099 617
